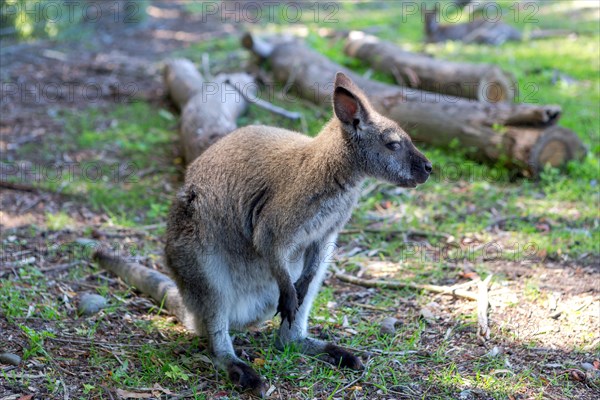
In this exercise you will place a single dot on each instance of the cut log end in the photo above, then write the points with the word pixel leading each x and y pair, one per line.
pixel 555 147
pixel 256 45
pixel 484 82
pixel 496 86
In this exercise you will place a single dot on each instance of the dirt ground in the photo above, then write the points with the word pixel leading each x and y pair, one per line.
pixel 540 333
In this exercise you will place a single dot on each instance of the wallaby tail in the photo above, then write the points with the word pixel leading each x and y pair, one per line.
pixel 148 281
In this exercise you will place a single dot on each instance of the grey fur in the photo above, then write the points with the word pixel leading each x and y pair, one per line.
pixel 248 232
pixel 479 30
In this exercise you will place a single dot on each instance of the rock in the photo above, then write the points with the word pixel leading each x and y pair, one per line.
pixel 388 326
pixel 494 352
pixel 10 359
pixel 427 314
pixel 90 304
pixel 591 370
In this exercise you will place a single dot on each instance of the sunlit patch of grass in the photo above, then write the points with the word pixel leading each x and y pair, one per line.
pixel 535 64
pixel 129 168
pixel 462 206
pixel 59 221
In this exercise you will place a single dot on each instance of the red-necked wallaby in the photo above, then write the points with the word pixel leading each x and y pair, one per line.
pixel 248 232
pixel 479 30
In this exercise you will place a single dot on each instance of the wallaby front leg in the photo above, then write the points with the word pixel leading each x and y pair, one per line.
pixel 297 332
pixel 276 254
pixel 297 336
pixel 288 300
pixel 312 260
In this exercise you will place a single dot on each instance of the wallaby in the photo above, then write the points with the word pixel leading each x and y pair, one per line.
pixel 479 30
pixel 248 233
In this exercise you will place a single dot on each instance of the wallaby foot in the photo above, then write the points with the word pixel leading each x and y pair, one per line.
pixel 223 354
pixel 331 353
pixel 341 357
pixel 247 379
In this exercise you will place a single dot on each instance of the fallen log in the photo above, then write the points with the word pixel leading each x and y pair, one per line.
pixel 484 82
pixel 209 109
pixel 522 136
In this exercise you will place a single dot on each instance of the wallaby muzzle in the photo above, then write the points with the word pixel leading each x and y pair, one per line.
pixel 420 166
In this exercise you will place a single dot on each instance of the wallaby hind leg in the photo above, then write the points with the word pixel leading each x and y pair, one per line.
pixel 211 304
pixel 215 324
pixel 297 333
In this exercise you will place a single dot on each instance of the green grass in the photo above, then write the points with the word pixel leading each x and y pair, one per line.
pixel 141 135
pixel 58 221
pixel 31 298
pixel 553 218
pixel 124 167
pixel 566 200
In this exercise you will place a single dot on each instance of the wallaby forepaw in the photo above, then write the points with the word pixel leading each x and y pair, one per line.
pixel 247 379
pixel 301 287
pixel 343 358
pixel 288 305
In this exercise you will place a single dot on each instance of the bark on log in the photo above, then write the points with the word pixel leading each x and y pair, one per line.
pixel 209 109
pixel 522 135
pixel 484 82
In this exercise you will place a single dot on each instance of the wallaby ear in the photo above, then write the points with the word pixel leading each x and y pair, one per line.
pixel 348 104
pixel 342 80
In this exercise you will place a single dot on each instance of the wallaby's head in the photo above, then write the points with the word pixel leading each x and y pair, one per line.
pixel 383 149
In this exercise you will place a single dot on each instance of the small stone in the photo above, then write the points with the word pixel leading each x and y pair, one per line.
pixel 90 304
pixel 494 352
pixel 587 366
pixel 553 365
pixel 556 314
pixel 10 359
pixel 427 315
pixel 388 326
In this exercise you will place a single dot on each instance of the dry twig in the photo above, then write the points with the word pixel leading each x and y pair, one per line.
pixel 266 105
pixel 354 381
pixel 408 232
pixel 374 283
pixel 483 332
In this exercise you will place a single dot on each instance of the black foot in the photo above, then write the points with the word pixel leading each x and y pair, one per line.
pixel 343 358
pixel 246 378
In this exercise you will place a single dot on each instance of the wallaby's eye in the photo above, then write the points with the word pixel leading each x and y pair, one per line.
pixel 394 146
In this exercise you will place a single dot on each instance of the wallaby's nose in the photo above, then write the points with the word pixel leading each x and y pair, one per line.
pixel 428 168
